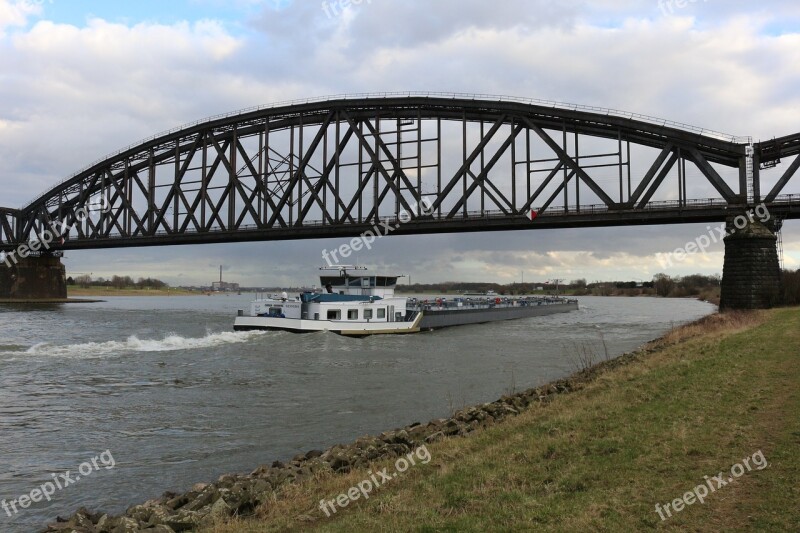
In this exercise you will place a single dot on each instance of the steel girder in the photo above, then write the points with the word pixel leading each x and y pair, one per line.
pixel 769 154
pixel 8 224
pixel 333 168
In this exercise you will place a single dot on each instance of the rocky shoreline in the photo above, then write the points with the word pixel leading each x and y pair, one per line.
pixel 241 494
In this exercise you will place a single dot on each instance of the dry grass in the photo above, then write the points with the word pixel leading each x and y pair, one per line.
pixel 713 325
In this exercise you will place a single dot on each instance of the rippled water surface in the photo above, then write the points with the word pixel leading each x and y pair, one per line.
pixel 177 397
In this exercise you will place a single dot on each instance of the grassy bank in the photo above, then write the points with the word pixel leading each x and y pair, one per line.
pixel 642 430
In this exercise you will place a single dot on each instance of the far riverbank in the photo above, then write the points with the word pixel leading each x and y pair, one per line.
pixel 73 290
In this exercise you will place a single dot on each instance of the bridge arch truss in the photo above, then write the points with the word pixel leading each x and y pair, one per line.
pixel 338 167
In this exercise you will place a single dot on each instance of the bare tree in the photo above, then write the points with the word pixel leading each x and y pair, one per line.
pixel 663 284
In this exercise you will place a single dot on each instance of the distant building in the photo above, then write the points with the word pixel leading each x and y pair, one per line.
pixel 223 286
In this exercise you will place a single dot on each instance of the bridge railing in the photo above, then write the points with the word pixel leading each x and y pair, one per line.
pixel 411 94
pixel 787 199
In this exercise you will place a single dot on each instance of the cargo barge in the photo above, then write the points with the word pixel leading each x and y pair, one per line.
pixel 463 311
pixel 363 304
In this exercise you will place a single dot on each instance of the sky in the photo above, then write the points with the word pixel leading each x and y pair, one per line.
pixel 80 79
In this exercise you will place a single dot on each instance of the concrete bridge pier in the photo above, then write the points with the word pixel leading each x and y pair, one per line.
pixel 33 278
pixel 751 277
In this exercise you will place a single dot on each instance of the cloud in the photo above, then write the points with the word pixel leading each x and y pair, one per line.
pixel 14 14
pixel 76 94
pixel 416 24
pixel 73 93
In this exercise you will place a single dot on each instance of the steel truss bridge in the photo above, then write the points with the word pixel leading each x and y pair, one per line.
pixel 439 163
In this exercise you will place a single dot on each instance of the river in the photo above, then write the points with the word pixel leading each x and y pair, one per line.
pixel 175 397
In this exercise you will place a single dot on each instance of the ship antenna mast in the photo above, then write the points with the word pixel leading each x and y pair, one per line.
pixel 342 269
pixel 557 281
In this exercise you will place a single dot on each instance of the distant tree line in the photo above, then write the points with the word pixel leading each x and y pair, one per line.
pixel 681 287
pixel 454 286
pixel 698 285
pixel 791 287
pixel 577 287
pixel 707 287
pixel 695 285
pixel 117 282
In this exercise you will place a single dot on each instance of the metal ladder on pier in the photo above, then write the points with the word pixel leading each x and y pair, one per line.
pixel 779 235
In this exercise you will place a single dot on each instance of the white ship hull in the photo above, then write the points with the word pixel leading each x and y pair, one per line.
pixel 355 329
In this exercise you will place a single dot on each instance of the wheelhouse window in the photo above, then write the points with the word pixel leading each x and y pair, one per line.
pixel 381 313
pixel 334 314
pixel 352 314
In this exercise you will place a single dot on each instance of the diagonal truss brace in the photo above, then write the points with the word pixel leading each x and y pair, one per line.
pixel 482 178
pixel 713 176
pixel 790 172
pixel 570 162
pixel 476 152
